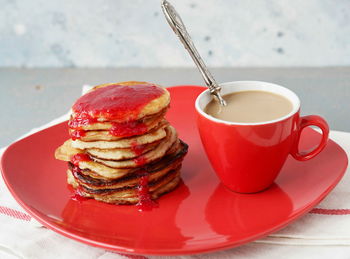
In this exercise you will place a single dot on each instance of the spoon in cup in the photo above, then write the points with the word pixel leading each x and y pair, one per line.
pixel 179 28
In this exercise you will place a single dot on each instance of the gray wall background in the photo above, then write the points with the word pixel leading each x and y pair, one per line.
pixel 105 33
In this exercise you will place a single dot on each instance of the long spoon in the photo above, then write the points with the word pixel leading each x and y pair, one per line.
pixel 179 28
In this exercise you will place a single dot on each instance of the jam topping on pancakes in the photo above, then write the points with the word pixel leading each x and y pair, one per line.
pixel 129 128
pixel 119 104
pixel 145 202
pixel 77 134
pixel 81 119
pixel 115 102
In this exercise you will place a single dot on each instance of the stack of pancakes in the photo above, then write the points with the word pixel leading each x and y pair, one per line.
pixel 122 150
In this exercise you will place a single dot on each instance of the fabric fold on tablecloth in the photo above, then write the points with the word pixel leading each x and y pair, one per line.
pixel 329 222
pixel 327 225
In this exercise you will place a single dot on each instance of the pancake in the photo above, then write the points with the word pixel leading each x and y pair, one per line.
pixel 147 138
pixel 172 157
pixel 104 135
pixel 127 181
pixel 149 122
pixel 117 169
pixel 121 153
pixel 70 148
pixel 121 102
pixel 105 171
pixel 132 190
pixel 155 171
pixel 128 195
pixel 122 150
pixel 66 151
pixel 153 107
pixel 147 157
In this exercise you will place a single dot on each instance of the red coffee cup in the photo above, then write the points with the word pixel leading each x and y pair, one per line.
pixel 247 157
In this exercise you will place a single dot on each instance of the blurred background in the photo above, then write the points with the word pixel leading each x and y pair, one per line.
pixel 119 33
pixel 49 49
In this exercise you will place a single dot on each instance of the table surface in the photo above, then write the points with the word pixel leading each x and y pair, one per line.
pixel 32 97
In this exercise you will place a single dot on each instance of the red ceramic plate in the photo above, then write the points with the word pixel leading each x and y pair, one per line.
pixel 199 216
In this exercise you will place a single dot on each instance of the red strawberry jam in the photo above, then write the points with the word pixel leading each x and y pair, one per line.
pixel 145 202
pixel 140 160
pixel 127 129
pixel 137 149
pixel 77 134
pixel 78 158
pixel 117 102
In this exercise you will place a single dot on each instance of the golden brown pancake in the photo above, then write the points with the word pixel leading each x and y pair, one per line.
pixel 117 169
pixel 153 107
pixel 128 195
pixel 121 153
pixel 104 135
pixel 155 170
pixel 107 171
pixel 174 156
pixel 150 121
pixel 66 151
pixel 150 137
pixel 127 181
pixel 147 157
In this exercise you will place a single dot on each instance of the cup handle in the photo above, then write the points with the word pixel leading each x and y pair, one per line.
pixel 306 121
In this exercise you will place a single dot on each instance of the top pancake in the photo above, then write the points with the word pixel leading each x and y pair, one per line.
pixel 119 102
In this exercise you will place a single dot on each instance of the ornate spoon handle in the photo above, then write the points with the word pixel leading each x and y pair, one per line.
pixel 179 28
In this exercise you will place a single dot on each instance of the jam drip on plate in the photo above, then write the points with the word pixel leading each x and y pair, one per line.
pixel 145 202
pixel 77 195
